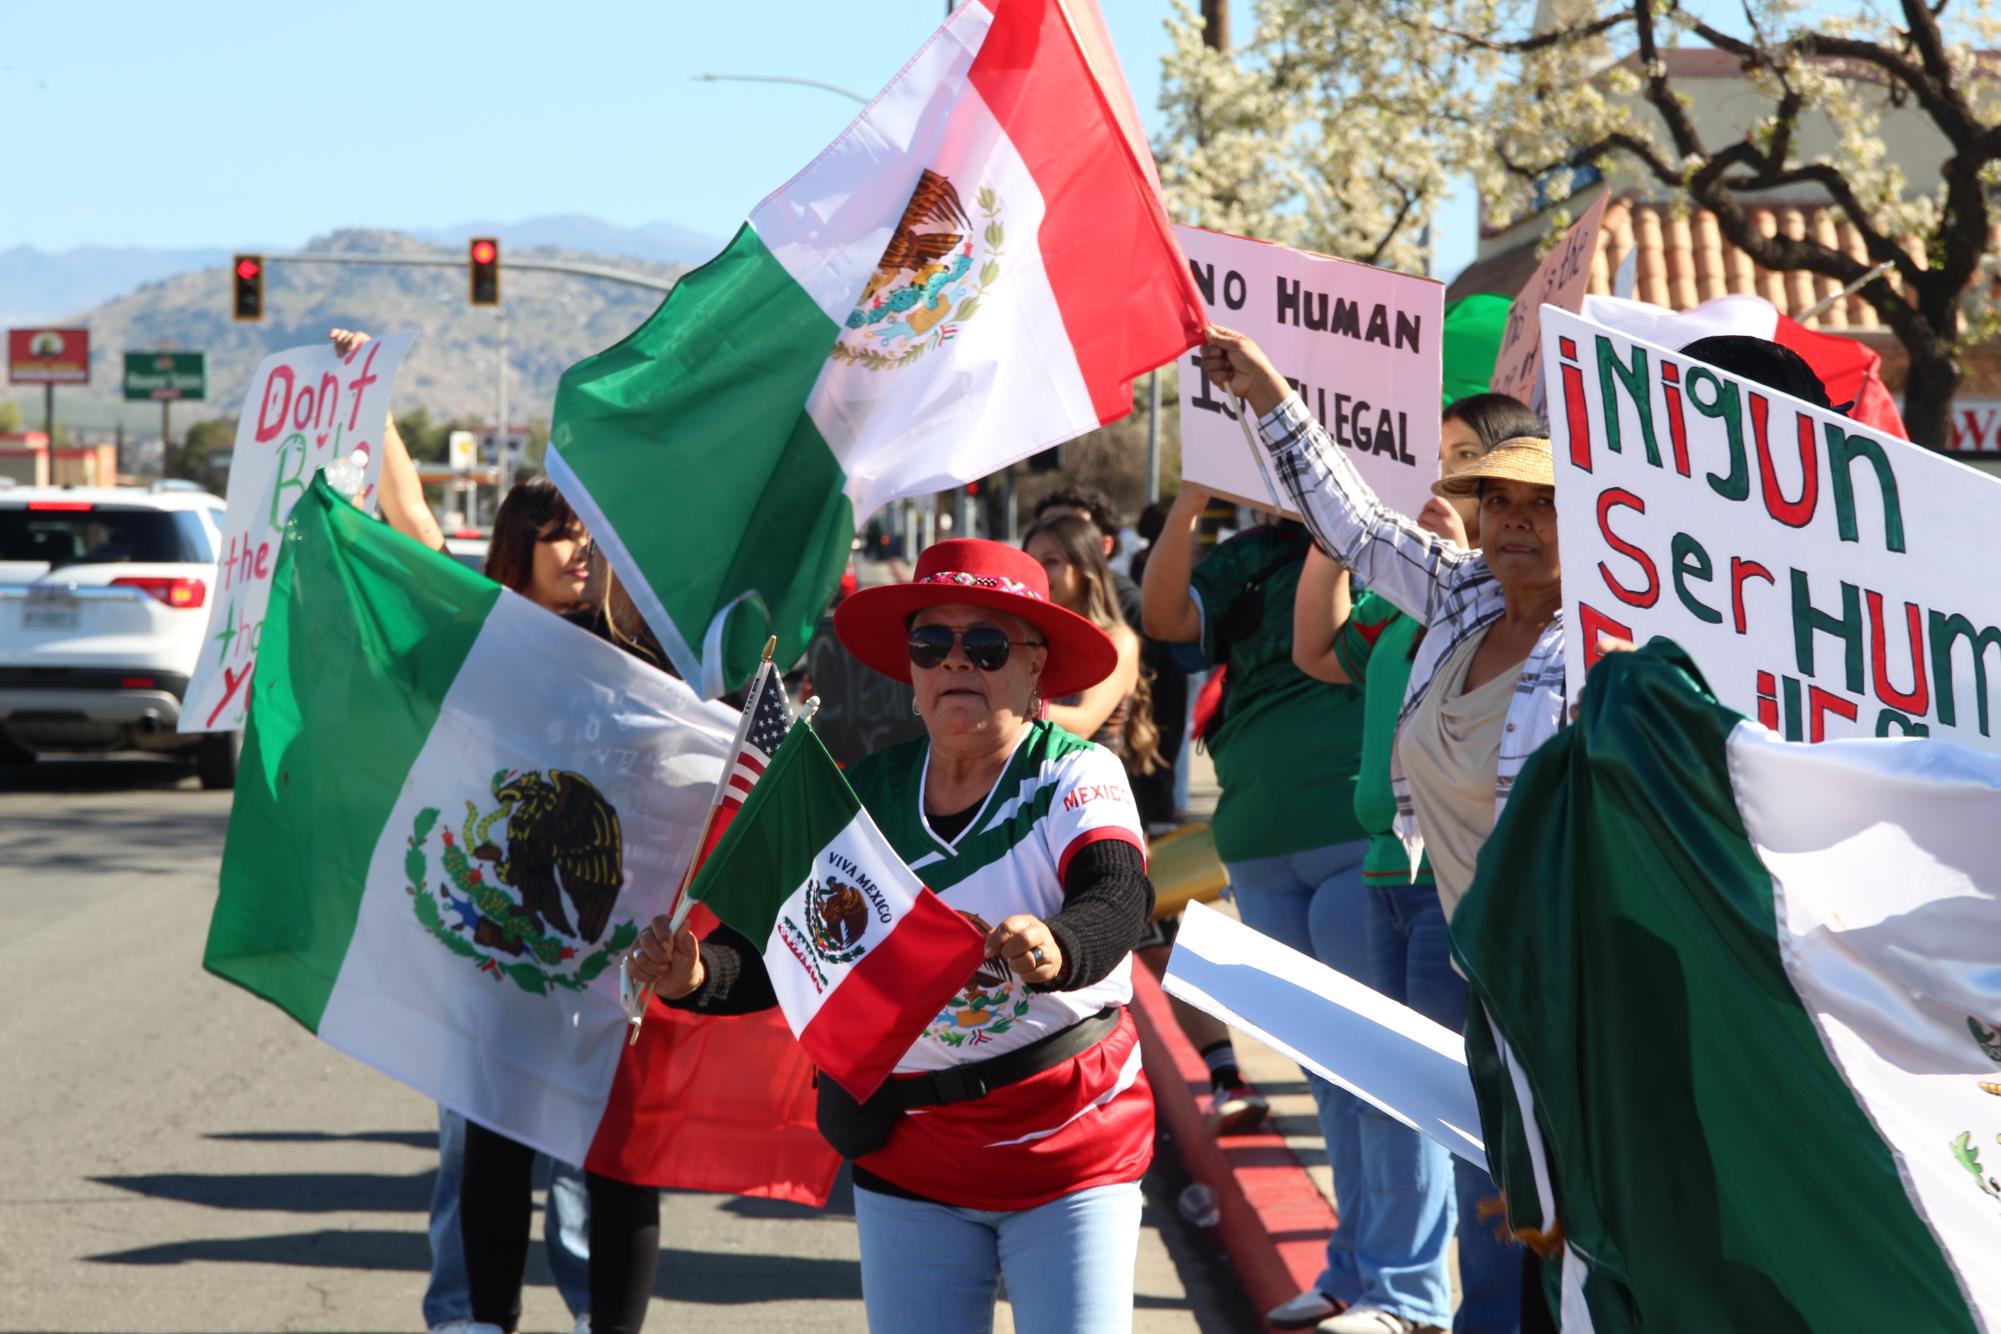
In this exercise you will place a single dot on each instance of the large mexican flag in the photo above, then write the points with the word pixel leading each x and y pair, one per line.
pixel 1742 1004
pixel 454 812
pixel 976 269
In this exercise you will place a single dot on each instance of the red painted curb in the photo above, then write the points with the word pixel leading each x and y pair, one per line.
pixel 1275 1221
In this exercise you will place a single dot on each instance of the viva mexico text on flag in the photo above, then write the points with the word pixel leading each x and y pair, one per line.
pixel 453 812
pixel 1742 1029
pixel 861 954
pixel 976 269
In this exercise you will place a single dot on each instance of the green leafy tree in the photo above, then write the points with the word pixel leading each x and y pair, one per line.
pixel 10 416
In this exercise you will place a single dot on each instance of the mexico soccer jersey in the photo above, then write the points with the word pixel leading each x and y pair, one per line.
pixel 1057 794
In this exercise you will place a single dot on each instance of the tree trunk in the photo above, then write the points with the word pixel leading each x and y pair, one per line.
pixel 1216 24
pixel 1928 389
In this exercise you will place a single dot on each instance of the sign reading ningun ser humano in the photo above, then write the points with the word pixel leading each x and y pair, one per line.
pixel 1829 581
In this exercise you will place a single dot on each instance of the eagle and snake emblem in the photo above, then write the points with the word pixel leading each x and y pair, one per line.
pixel 931 279
pixel 563 858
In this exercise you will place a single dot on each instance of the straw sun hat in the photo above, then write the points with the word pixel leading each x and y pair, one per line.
pixel 1526 458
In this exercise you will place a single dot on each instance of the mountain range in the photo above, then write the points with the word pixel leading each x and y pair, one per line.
pixel 553 320
pixel 43 286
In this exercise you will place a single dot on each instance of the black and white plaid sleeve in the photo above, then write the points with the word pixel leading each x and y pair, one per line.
pixel 1387 551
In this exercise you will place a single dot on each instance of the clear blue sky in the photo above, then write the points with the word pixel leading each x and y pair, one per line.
pixel 235 124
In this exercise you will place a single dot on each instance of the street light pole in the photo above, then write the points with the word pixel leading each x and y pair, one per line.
pixel 781 78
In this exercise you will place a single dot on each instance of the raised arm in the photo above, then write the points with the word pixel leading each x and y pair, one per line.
pixel 1165 603
pixel 1387 551
pixel 402 495
pixel 1320 607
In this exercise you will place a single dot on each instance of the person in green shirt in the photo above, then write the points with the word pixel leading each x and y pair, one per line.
pixel 1286 749
pixel 1367 642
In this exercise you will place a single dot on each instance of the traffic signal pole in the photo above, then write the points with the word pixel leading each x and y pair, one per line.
pixel 501 453
pixel 599 271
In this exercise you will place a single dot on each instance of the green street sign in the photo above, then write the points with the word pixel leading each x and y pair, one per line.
pixel 155 377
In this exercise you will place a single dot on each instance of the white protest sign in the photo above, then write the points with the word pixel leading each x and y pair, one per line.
pixel 307 407
pixel 1829 580
pixel 1561 280
pixel 1362 345
pixel 1387 1054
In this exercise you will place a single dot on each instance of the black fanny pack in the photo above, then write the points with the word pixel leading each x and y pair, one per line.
pixel 856 1129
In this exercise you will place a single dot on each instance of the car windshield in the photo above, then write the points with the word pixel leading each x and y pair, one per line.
pixel 99 535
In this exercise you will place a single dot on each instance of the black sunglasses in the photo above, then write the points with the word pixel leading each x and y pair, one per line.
pixel 986 645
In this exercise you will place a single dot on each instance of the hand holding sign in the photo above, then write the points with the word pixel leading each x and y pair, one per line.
pixel 307 407
pixel 1360 345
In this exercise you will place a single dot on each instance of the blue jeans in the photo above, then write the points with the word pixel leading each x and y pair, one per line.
pixel 1410 961
pixel 1068 1264
pixel 565 1231
pixel 1388 1245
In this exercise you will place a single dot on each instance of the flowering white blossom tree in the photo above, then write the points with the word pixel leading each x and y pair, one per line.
pixel 1335 126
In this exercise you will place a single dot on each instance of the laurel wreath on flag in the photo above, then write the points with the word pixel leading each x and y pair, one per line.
pixel 492 902
pixel 995 235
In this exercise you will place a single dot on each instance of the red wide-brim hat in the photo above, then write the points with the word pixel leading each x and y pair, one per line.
pixel 874 624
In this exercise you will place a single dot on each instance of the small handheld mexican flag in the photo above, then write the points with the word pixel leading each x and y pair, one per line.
pixel 861 954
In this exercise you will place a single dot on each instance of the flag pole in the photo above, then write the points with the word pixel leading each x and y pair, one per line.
pixel 683 905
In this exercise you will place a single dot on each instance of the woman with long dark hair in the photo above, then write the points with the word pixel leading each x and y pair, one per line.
pixel 1116 713
pixel 484 1201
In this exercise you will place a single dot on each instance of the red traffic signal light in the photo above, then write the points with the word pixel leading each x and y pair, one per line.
pixel 483 271
pixel 248 275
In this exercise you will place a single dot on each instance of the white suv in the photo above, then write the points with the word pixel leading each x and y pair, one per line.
pixel 104 595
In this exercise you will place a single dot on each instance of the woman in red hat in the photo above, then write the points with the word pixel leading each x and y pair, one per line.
pixel 1012 1141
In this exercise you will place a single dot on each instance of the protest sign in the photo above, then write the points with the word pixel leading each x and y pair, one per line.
pixel 1560 280
pixel 1828 579
pixel 1386 1054
pixel 307 407
pixel 1361 344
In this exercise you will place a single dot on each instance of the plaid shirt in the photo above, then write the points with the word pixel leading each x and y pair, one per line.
pixel 1447 587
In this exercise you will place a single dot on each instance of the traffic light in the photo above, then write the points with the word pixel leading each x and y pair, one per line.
pixel 483 263
pixel 1049 460
pixel 248 275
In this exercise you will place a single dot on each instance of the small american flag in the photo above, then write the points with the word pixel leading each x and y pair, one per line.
pixel 768 716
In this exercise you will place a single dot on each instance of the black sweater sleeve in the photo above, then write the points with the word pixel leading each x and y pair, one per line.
pixel 734 979
pixel 1107 902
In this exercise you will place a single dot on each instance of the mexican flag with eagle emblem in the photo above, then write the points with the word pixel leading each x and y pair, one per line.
pixel 453 814
pixel 1737 1044
pixel 975 270
pixel 860 953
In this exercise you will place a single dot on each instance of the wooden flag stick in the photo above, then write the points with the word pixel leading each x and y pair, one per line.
pixel 683 905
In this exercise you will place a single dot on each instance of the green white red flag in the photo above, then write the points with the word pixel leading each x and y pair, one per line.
pixel 1742 1034
pixel 436 857
pixel 976 269
pixel 861 954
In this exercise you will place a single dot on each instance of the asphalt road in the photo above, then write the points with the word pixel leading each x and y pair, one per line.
pixel 181 1156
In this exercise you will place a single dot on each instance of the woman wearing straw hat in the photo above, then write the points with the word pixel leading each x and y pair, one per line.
pixel 1487 684
pixel 1012 1141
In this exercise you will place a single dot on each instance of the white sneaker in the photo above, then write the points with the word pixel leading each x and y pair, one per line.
pixel 1305 1311
pixel 1373 1320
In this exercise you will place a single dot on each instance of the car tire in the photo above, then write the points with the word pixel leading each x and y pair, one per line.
pixel 215 761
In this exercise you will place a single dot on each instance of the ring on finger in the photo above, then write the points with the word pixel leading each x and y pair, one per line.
pixel 1036 954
